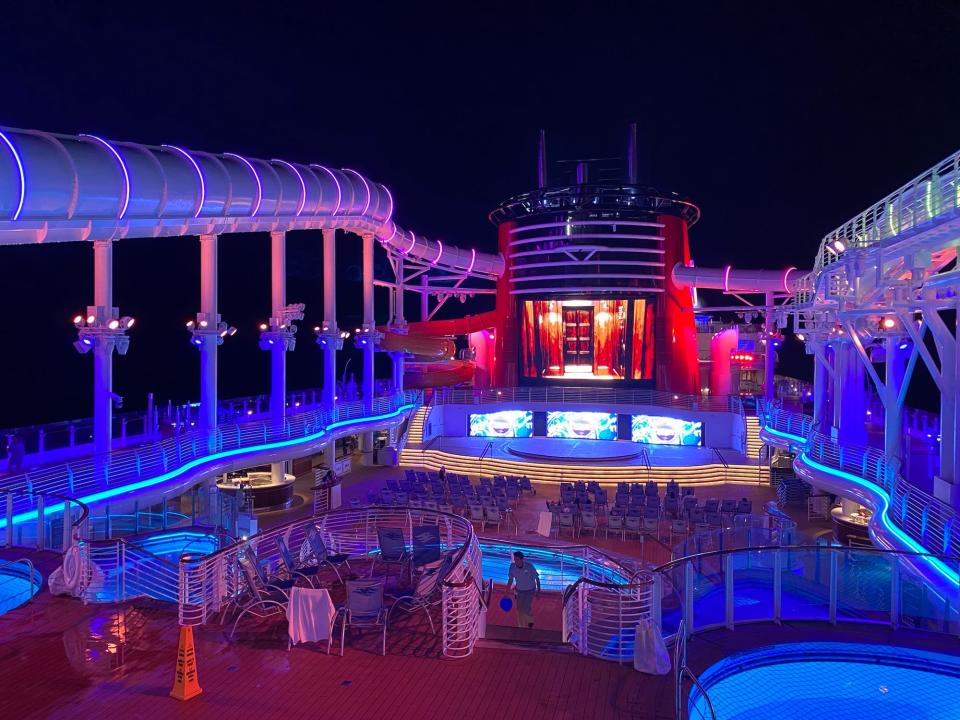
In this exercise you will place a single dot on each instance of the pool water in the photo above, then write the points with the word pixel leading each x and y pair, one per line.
pixel 16 586
pixel 557 569
pixel 831 681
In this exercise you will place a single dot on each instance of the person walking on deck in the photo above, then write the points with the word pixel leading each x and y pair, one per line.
pixel 527 580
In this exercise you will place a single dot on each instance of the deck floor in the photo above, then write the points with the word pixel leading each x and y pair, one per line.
pixel 62 659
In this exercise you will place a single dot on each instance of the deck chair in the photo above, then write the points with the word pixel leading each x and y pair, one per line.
pixel 319 552
pixel 427 548
pixel 393 548
pixel 566 521
pixel 588 521
pixel 295 570
pixel 364 608
pixel 631 525
pixel 426 594
pixel 476 515
pixel 615 524
pixel 263 600
pixel 492 515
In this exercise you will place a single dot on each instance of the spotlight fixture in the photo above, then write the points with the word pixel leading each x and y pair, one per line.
pixel 888 323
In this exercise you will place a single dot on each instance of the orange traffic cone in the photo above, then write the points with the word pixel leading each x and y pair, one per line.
pixel 186 684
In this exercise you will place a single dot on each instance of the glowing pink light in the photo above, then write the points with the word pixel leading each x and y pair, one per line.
pixel 366 186
pixel 335 182
pixel 473 259
pixel 123 168
pixel 390 197
pixel 256 178
pixel 392 235
pixel 413 241
pixel 786 274
pixel 203 187
pixel 303 185
pixel 726 278
pixel 23 179
pixel 439 253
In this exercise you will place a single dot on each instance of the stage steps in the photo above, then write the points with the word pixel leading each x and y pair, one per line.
pixel 753 437
pixel 415 433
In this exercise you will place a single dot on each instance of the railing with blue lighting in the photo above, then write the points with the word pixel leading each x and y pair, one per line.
pixel 98 478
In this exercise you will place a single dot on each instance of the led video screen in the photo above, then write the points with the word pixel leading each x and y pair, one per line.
pixel 658 430
pixel 582 425
pixel 603 340
pixel 503 424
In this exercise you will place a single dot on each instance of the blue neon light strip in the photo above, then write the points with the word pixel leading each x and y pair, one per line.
pixel 943 569
pixel 150 482
pixel 795 438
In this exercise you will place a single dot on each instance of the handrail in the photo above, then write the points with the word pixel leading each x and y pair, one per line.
pixel 720 458
pixel 31 572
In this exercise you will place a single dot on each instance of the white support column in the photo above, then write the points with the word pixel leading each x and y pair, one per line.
pixel 210 339
pixel 945 485
pixel 820 383
pixel 768 366
pixel 424 298
pixel 103 348
pixel 329 337
pixel 368 346
pixel 278 366
pixel 896 378
pixel 849 406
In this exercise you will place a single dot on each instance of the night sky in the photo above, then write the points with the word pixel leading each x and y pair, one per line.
pixel 779 120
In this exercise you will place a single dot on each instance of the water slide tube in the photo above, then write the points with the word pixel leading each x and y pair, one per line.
pixel 730 280
pixel 431 343
pixel 74 188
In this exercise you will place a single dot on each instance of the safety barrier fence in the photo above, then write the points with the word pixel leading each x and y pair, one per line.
pixel 12 572
pixel 206 585
pixel 154 462
pixel 575 395
pixel 120 570
pixel 928 196
pixel 926 519
pixel 724 588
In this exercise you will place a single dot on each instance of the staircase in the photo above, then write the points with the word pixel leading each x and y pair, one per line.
pixel 753 437
pixel 415 432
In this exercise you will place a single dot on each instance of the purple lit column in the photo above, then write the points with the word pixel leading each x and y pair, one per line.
pixel 330 340
pixel 278 366
pixel 849 395
pixel 368 343
pixel 209 339
pixel 820 384
pixel 896 377
pixel 768 365
pixel 103 348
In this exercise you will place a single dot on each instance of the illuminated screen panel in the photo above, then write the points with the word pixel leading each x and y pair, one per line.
pixel 504 424
pixel 582 425
pixel 658 430
pixel 604 340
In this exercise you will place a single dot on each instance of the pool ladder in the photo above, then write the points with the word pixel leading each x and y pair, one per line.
pixel 680 670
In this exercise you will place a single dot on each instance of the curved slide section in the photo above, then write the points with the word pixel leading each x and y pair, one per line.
pixel 74 188
pixel 431 343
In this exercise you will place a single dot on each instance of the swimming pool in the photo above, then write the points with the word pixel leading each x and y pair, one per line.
pixel 557 567
pixel 830 681
pixel 18 583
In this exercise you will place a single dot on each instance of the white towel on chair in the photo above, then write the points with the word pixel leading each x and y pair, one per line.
pixel 309 615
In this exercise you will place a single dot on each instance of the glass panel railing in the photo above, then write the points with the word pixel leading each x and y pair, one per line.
pixel 805 584
pixel 707 588
pixel 863 586
pixel 753 574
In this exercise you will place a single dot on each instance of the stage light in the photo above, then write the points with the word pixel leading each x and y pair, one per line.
pixel 127 322
pixel 91 319
pixel 78 320
pixel 264 326
pixel 800 337
pixel 889 323
pixel 197 341
pixel 190 324
pixel 203 323
pixel 113 324
pixel 839 246
pixel 82 346
pixel 316 328
pixel 903 346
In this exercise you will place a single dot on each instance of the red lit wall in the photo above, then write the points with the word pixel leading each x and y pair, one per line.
pixel 677 369
pixel 504 365
pixel 721 345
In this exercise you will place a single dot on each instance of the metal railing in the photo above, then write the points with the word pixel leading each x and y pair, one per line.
pixel 10 571
pixel 931 194
pixel 119 570
pixel 579 395
pixel 152 462
pixel 600 618
pixel 208 584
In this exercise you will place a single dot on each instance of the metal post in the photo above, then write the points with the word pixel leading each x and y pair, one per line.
pixel 329 390
pixel 777 585
pixel 208 346
pixel 894 591
pixel 103 348
pixel 9 518
pixel 278 368
pixel 687 599
pixel 768 328
pixel 40 522
pixel 728 590
pixel 833 587
pixel 424 297
pixel 67 526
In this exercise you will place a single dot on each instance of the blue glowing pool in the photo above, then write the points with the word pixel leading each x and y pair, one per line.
pixel 18 583
pixel 831 681
pixel 557 568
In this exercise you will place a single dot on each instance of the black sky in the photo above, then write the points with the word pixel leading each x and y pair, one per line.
pixel 780 120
